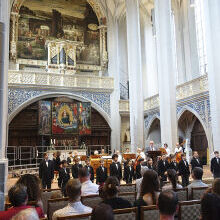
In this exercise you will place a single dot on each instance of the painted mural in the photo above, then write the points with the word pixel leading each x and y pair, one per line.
pixel 44 117
pixel 84 109
pixel 72 20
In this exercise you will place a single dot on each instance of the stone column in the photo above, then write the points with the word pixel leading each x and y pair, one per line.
pixel 212 35
pixel 103 50
pixel 14 35
pixel 135 74
pixel 4 58
pixel 166 72
pixel 113 71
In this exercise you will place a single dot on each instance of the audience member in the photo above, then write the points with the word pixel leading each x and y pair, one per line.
pixel 26 214
pixel 184 171
pixel 90 169
pixel 102 212
pixel 88 188
pixel 64 176
pixel 210 203
pixel 101 173
pixel 172 178
pixel 196 162
pixel 18 197
pixel 76 167
pixel 75 207
pixel 215 165
pixel 167 205
pixel 197 174
pixel 139 181
pixel 110 194
pixel 115 168
pixel 129 172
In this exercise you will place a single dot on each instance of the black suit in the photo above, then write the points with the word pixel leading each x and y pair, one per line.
pixel 215 167
pixel 138 171
pixel 115 170
pixel 173 165
pixel 64 176
pixel 57 164
pixel 101 175
pixel 162 167
pixel 196 163
pixel 184 172
pixel 46 173
pixel 91 171
pixel 75 170
pixel 128 174
pixel 151 167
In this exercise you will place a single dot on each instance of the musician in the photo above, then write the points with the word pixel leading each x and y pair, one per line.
pixel 165 146
pixel 215 165
pixel 101 173
pixel 119 156
pixel 150 148
pixel 129 172
pixel 70 158
pixel 103 152
pixel 127 151
pixel 90 169
pixel 178 148
pixel 173 164
pixel 140 153
pixel 76 167
pixel 115 168
pixel 184 170
pixel 196 162
pixel 162 168
pixel 64 176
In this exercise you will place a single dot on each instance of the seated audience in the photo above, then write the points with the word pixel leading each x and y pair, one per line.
pixel 110 194
pixel 139 181
pixel 210 203
pixel 88 188
pixel 167 205
pixel 27 214
pixel 172 178
pixel 197 174
pixel 18 197
pixel 33 184
pixel 75 207
pixel 102 212
pixel 149 190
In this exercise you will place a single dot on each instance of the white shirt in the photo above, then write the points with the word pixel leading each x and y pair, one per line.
pixel 89 188
pixel 142 155
pixel 169 186
pixel 76 208
pixel 46 162
pixel 177 150
pixel 168 151
pixel 119 158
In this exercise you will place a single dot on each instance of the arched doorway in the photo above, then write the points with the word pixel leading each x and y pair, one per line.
pixel 154 133
pixel 191 128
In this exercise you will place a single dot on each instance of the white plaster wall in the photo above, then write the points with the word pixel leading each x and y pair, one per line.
pixel 125 124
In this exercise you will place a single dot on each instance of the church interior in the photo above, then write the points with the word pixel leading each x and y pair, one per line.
pixel 117 86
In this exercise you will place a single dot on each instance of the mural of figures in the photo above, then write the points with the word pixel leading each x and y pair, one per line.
pixel 64 118
pixel 44 117
pixel 84 118
pixel 72 20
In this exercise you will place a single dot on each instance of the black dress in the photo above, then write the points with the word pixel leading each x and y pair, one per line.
pixel 118 203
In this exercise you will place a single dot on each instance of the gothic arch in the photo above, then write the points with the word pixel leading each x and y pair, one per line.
pixel 152 120
pixel 57 94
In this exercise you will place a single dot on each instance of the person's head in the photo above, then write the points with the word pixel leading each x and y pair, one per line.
pixel 117 152
pixel 166 145
pixel 151 143
pixel 73 190
pixel 111 187
pixel 77 159
pixel 54 155
pixel 167 203
pixel 103 151
pixel 216 186
pixel 70 154
pixel 172 177
pixel 129 162
pixel 139 150
pixel 173 158
pixel 197 173
pixel 195 154
pixel 150 161
pixel 178 144
pixel 96 152
pixel 18 195
pixel 102 162
pixel 183 156
pixel 102 212
pixel 216 154
pixel 115 157
pixel 143 170
pixel 45 155
pixel 163 157
pixel 84 174
pixel 58 153
pixel 87 162
pixel 127 150
pixel 26 214
pixel 150 184
pixel 64 163
pixel 32 184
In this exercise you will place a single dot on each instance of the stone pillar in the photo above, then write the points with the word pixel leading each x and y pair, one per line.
pixel 4 58
pixel 212 36
pixel 14 35
pixel 113 71
pixel 135 75
pixel 103 50
pixel 166 72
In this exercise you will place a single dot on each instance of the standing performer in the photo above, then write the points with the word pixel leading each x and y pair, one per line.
pixel 90 169
pixel 75 168
pixel 173 164
pixel 46 172
pixel 184 171
pixel 196 162
pixel 64 176
pixel 129 172
pixel 215 165
pixel 101 173
pixel 115 168
pixel 162 168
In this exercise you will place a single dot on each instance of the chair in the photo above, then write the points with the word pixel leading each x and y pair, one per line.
pixel 46 195
pixel 76 217
pixel 149 213
pixel 91 200
pixel 189 210
pixel 128 188
pixel 54 205
pixel 198 192
pixel 182 194
pixel 130 196
pixel 125 214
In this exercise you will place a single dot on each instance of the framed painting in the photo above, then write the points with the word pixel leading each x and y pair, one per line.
pixel 44 117
pixel 84 109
